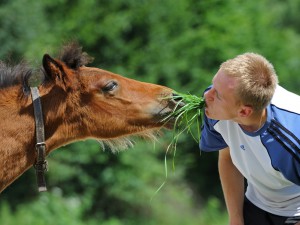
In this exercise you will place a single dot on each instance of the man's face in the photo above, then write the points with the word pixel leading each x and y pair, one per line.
pixel 221 102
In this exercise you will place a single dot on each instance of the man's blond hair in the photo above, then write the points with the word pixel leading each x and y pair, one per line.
pixel 256 78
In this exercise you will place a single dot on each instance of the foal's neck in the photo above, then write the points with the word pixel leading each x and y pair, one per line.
pixel 17 138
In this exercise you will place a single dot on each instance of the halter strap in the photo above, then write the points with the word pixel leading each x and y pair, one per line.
pixel 41 164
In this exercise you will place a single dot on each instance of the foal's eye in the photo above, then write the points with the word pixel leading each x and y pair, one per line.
pixel 110 86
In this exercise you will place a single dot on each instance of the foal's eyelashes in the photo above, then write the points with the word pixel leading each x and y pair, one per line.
pixel 110 86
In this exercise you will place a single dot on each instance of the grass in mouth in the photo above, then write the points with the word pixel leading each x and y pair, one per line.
pixel 188 114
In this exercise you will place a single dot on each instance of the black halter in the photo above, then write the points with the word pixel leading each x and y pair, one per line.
pixel 41 163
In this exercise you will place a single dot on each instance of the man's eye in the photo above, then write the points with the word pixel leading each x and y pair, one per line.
pixel 110 86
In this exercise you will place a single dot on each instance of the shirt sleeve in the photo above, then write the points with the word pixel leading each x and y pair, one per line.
pixel 211 140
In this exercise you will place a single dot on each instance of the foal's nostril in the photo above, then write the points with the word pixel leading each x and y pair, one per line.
pixel 177 99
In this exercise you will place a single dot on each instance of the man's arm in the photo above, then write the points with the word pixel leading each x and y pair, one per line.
pixel 233 187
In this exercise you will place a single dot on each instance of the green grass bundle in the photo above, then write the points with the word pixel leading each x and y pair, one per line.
pixel 188 114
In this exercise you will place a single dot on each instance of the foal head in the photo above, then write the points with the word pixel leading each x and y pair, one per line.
pixel 98 104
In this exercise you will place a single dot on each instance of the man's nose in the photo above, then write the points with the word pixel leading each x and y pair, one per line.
pixel 208 95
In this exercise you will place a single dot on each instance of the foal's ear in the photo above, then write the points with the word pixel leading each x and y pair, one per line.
pixel 54 69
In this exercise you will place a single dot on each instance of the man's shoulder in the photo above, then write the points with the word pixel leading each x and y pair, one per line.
pixel 286 101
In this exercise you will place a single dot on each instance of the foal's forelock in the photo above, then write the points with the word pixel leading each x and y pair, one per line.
pixel 73 56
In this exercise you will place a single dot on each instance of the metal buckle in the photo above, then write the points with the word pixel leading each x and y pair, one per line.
pixel 40 144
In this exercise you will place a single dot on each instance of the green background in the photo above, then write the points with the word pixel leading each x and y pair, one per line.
pixel 179 44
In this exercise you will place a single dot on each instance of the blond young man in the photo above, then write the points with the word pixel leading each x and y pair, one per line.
pixel 255 125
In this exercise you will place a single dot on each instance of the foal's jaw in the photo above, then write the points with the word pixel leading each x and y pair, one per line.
pixel 128 119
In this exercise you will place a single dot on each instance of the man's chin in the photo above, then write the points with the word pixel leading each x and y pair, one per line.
pixel 209 115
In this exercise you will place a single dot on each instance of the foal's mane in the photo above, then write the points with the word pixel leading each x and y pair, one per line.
pixel 15 74
pixel 11 75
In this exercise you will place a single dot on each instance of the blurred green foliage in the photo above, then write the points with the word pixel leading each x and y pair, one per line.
pixel 179 44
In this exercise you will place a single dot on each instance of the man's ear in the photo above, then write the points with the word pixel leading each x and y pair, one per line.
pixel 245 111
pixel 53 68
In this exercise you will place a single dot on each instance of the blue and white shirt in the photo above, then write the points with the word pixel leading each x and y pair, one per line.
pixel 269 158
